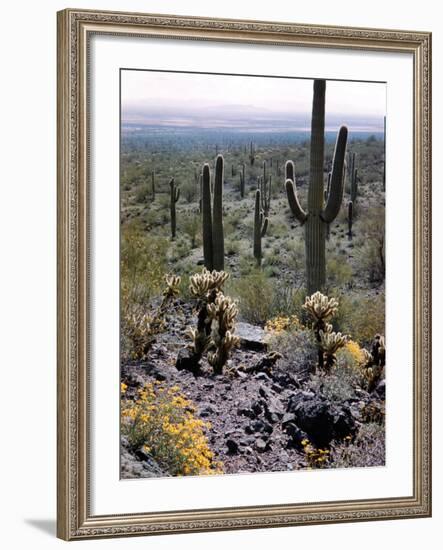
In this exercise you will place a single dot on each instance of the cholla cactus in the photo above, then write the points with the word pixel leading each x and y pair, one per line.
pixel 375 362
pixel 172 285
pixel 201 284
pixel 207 287
pixel 200 341
pixel 320 307
pixel 141 327
pixel 330 343
pixel 222 314
pixel 171 291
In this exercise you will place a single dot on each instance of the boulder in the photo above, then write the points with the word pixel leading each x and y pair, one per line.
pixel 251 336
pixel 322 420
pixel 186 360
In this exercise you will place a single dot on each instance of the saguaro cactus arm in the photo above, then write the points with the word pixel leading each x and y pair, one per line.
pixel 289 170
pixel 293 201
pixel 336 189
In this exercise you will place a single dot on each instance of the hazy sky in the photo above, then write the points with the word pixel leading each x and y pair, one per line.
pixel 206 100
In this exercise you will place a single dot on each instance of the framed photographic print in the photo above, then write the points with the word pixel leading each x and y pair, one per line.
pixel 243 274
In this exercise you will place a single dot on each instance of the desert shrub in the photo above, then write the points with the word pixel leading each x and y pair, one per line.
pixel 142 265
pixel 337 386
pixel 368 449
pixel 373 412
pixel 277 325
pixel 181 248
pixel 287 299
pixel 189 191
pixel 255 295
pixel 361 317
pixel 191 225
pixel 338 272
pixel 371 256
pixel 143 194
pixel 232 247
pixel 298 350
pixel 315 458
pixel 351 356
pixel 140 326
pixel 162 422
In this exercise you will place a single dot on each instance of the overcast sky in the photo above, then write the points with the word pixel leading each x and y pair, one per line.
pixel 215 101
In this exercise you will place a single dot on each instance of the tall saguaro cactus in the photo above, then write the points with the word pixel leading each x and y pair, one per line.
pixel 353 177
pixel 260 227
pixel 175 194
pixel 212 217
pixel 265 184
pixel 318 215
pixel 242 181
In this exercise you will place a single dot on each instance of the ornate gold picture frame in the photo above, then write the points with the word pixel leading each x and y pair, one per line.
pixel 76 519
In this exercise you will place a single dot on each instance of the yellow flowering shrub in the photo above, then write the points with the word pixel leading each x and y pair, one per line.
pixel 163 422
pixel 316 458
pixel 277 325
pixel 351 356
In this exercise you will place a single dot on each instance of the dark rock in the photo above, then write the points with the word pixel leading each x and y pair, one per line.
pixel 251 336
pixel 287 417
pixel 296 436
pixel 380 389
pixel 265 392
pixel 232 446
pixel 207 411
pixel 259 426
pixel 186 360
pixel 285 380
pixel 154 371
pixel 277 388
pixel 322 420
pixel 256 408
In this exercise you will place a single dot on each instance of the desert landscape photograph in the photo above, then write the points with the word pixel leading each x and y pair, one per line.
pixel 252 274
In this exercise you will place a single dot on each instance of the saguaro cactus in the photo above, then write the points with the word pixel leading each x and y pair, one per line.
pixel 251 154
pixel 153 184
pixel 318 215
pixel 242 181
pixel 212 218
pixel 265 187
pixel 350 219
pixel 175 194
pixel 353 177
pixel 260 227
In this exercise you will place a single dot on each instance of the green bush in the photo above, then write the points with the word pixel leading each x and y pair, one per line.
pixel 255 295
pixel 142 265
pixel 361 317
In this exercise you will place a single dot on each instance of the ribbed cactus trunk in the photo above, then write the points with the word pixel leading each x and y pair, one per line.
pixel 175 194
pixel 315 236
pixel 218 245
pixel 212 217
pixel 260 227
pixel 206 206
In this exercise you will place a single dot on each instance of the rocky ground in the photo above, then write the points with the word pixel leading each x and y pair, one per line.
pixel 259 412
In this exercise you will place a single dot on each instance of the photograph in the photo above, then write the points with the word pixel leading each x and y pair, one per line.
pixel 252 273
